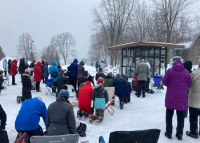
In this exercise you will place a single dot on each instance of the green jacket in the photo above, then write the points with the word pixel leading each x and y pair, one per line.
pixel 108 82
pixel 142 70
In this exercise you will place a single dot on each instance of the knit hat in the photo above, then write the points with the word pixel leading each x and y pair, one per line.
pixel 100 80
pixel 142 61
pixel 26 71
pixel 64 93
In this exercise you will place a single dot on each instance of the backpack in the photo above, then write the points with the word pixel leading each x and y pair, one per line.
pixel 54 74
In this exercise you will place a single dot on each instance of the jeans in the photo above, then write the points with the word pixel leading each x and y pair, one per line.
pixel 180 122
pixel 37 86
pixel 36 132
pixel 194 113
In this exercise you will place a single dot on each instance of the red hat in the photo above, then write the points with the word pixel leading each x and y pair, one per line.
pixel 100 80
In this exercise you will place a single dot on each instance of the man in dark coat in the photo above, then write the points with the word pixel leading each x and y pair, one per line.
pixel 81 69
pixel 42 70
pixel 120 89
pixel 60 116
pixel 3 118
pixel 22 67
pixel 9 66
pixel 46 71
pixel 74 73
pixel 61 81
pixel 26 86
pixel 128 91
pixel 100 74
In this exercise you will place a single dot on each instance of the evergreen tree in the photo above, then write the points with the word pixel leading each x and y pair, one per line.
pixel 2 55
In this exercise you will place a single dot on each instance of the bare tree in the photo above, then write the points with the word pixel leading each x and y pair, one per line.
pixel 111 19
pixel 25 46
pixel 2 54
pixel 66 45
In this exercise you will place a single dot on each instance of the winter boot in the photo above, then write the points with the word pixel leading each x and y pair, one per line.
pixel 83 115
pixel 99 120
pixel 143 95
pixel 91 118
pixel 121 105
pixel 79 115
pixel 38 90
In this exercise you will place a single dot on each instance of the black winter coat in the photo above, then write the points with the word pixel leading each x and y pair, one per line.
pixel 22 66
pixel 26 87
pixel 9 65
pixel 3 117
pixel 81 69
pixel 120 86
pixel 100 74
pixel 32 65
pixel 42 68
pixel 61 81
pixel 100 92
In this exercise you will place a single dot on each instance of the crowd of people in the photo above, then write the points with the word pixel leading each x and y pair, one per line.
pixel 60 119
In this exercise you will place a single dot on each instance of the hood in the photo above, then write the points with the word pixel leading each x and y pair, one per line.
pixel 15 61
pixel 26 75
pixel 53 63
pixel 82 63
pixel 88 84
pixel 100 69
pixel 126 78
pixel 75 61
pixel 98 87
pixel 47 63
pixel 109 75
pixel 188 66
pixel 178 66
pixel 39 64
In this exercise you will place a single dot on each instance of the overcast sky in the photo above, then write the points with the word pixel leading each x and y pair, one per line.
pixel 43 19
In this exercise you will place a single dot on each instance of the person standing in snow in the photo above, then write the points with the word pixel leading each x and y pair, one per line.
pixel 60 116
pixel 9 66
pixel 29 115
pixel 37 75
pixel 22 67
pixel 81 69
pixel 97 66
pixel 74 73
pixel 3 118
pixel 14 71
pixel 55 74
pixel 108 82
pixel 120 89
pixel 177 79
pixel 32 65
pixel 26 86
pixel 142 70
pixel 5 66
pixel 128 91
pixel 42 70
pixel 194 102
pixel 99 92
pixel 46 71
pixel 102 67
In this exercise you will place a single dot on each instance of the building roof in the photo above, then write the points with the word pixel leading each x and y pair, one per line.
pixel 156 44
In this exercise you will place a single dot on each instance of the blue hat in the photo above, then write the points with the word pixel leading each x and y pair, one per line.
pixel 64 92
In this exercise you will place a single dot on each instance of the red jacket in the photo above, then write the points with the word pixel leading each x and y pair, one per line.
pixel 14 68
pixel 37 72
pixel 136 81
pixel 85 98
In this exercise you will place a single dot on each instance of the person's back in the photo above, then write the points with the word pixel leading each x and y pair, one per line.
pixel 74 68
pixel 61 81
pixel 81 69
pixel 26 86
pixel 53 68
pixel 177 79
pixel 108 81
pixel 3 118
pixel 142 70
pixel 85 97
pixel 60 117
pixel 128 91
pixel 100 74
pixel 22 66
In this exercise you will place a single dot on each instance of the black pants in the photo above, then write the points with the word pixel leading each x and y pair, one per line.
pixel 141 86
pixel 194 113
pixel 13 79
pixel 54 87
pixel 180 122
pixel 37 86
pixel 73 81
pixel 5 72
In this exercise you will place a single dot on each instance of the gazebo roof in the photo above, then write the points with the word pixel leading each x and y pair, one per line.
pixel 154 44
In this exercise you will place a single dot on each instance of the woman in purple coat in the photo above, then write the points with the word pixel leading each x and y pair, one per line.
pixel 177 79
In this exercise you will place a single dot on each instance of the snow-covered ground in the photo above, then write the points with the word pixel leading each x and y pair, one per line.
pixel 139 114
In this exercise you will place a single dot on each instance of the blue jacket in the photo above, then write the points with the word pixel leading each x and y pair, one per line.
pixel 96 64
pixel 120 86
pixel 46 71
pixel 129 89
pixel 29 115
pixel 2 116
pixel 74 68
pixel 55 69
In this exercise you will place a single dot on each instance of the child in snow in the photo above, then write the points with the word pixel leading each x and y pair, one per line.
pixel 99 92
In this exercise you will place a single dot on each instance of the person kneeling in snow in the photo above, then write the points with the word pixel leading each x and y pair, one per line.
pixel 60 116
pixel 84 100
pixel 28 117
pixel 99 93
pixel 26 86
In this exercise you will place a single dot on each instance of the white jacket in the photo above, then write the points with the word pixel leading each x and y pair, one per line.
pixel 194 90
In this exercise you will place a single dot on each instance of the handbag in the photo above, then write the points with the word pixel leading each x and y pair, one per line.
pixel 100 103
pixel 54 74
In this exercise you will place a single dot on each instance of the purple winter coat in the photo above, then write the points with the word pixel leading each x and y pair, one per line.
pixel 177 79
